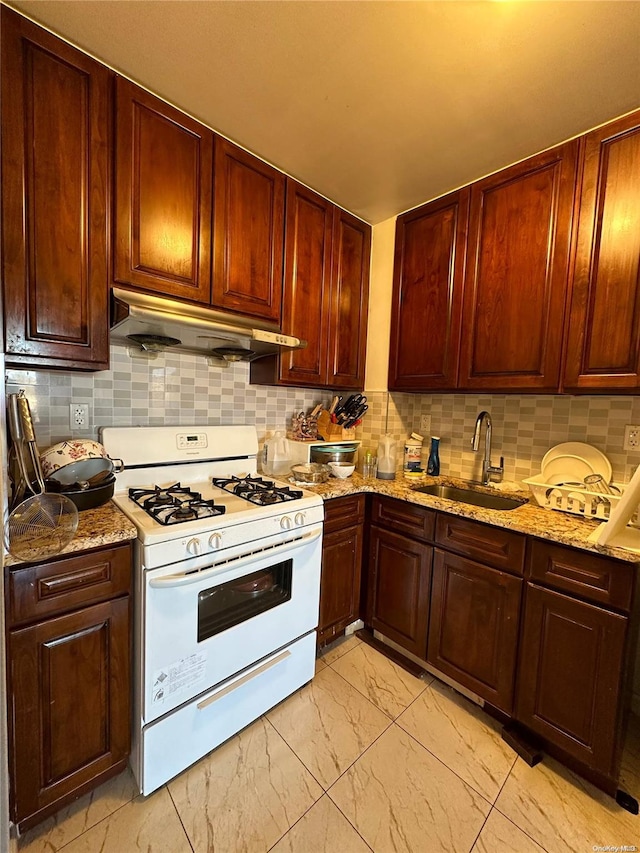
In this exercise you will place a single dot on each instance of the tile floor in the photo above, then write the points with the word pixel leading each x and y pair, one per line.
pixel 366 758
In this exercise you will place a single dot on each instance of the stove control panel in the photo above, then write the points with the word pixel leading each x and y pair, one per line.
pixel 187 440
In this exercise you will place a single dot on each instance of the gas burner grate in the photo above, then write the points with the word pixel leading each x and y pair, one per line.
pixel 256 490
pixel 174 504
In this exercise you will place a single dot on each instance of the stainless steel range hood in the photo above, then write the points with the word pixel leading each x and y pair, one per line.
pixel 154 323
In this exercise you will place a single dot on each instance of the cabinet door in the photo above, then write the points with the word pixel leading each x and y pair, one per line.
pixel 473 633
pixel 401 573
pixel 164 167
pixel 516 277
pixel 570 675
pixel 55 178
pixel 349 300
pixel 71 687
pixel 428 277
pixel 248 233
pixel 603 352
pixel 307 278
pixel 340 581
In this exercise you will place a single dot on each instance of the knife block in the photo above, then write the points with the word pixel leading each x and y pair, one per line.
pixel 333 432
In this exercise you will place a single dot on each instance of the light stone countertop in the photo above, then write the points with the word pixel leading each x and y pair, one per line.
pixel 560 527
pixel 104 525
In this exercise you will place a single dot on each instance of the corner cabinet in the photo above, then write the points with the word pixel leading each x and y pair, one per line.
pixel 248 233
pixel 325 295
pixel 603 350
pixel 517 273
pixel 428 280
pixel 69 668
pixel 163 203
pixel 56 107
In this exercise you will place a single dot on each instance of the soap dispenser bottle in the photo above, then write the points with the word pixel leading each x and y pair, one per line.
pixel 433 465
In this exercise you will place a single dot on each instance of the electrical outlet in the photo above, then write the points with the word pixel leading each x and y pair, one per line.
pixel 425 424
pixel 79 416
pixel 631 437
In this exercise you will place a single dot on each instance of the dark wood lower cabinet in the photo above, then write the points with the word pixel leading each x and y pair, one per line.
pixel 69 679
pixel 473 633
pixel 400 574
pixel 571 675
pixel 341 566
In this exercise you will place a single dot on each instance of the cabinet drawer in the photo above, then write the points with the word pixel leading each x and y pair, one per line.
pixel 49 589
pixel 594 578
pixel 403 517
pixel 343 512
pixel 493 546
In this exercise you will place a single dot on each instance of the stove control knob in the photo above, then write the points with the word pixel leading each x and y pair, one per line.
pixel 215 540
pixel 285 522
pixel 193 547
pixel 299 518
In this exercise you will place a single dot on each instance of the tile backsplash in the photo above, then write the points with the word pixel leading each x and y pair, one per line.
pixel 524 428
pixel 182 389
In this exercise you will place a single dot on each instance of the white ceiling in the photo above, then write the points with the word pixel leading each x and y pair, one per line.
pixel 377 105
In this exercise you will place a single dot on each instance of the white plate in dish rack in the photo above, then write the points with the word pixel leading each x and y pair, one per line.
pixel 575 456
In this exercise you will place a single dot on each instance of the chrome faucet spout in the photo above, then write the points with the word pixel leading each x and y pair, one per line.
pixel 489 471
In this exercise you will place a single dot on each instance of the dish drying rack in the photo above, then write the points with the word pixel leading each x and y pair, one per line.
pixel 577 500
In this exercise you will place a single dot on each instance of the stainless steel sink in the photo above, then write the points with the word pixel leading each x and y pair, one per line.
pixel 469 496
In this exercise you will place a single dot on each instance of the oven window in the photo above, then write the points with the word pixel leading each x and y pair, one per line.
pixel 230 603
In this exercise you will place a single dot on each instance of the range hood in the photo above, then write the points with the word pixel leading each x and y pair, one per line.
pixel 153 323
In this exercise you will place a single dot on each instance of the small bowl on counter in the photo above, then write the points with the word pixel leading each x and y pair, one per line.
pixel 310 473
pixel 341 470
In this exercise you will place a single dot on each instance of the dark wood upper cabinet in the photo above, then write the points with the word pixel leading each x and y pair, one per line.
pixel 325 295
pixel 55 182
pixel 427 294
pixel 516 276
pixel 164 167
pixel 307 281
pixel 349 301
pixel 248 233
pixel 603 348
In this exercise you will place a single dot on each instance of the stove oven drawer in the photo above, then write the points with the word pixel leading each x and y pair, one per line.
pixel 173 743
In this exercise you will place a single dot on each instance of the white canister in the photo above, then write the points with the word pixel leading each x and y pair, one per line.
pixel 413 452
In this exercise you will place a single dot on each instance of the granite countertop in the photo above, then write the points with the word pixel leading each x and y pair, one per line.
pixel 531 519
pixel 104 525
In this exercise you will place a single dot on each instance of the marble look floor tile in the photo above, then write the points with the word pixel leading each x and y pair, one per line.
pixel 73 820
pixel 328 724
pixel 340 647
pixel 383 682
pixel 244 795
pixel 400 798
pixel 499 834
pixel 148 825
pixel 462 736
pixel 322 829
pixel 561 811
pixel 320 665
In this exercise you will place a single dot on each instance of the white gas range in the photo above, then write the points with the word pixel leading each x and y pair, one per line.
pixel 227 588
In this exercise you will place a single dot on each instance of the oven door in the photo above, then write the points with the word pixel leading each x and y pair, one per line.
pixel 201 627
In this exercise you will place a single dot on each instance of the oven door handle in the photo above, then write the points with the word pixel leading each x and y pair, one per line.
pixel 229 688
pixel 184 579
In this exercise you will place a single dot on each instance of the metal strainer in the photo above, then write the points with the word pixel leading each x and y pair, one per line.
pixel 41 526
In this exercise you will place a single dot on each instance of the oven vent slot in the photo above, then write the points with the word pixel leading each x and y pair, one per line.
pixel 246 554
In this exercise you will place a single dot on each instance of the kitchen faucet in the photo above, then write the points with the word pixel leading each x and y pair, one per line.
pixel 488 470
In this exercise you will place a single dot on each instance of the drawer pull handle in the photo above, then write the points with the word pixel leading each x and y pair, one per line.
pixel 241 681
pixel 48 587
